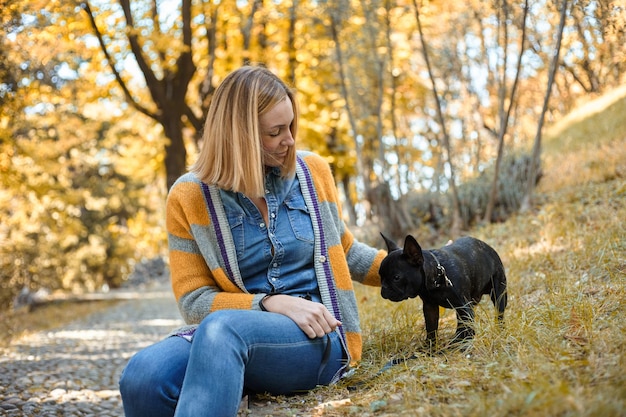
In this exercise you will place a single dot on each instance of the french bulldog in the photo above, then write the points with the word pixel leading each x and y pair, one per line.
pixel 455 276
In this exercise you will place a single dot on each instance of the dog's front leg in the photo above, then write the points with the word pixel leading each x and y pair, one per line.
pixel 431 320
pixel 465 323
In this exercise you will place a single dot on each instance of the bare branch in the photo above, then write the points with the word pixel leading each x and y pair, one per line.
pixel 157 25
pixel 152 82
pixel 129 98
pixel 185 66
pixel 195 121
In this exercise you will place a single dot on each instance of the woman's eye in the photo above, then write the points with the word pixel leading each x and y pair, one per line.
pixel 274 134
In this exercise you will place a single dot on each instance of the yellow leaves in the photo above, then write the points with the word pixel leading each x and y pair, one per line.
pixel 95 204
pixel 68 241
pixel 357 20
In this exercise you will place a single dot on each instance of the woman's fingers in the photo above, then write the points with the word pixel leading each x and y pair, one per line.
pixel 333 323
pixel 313 318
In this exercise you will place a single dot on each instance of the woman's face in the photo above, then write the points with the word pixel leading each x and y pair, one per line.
pixel 275 134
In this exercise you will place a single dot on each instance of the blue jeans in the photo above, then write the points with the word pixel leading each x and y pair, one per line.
pixel 231 350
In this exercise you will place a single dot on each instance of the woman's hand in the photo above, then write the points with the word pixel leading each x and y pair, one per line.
pixel 313 318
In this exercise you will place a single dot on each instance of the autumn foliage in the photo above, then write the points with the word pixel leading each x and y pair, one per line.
pixel 102 104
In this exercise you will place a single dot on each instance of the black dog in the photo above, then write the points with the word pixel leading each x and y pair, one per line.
pixel 455 276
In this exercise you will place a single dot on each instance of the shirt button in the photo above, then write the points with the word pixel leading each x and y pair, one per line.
pixel 261 225
pixel 273 215
pixel 322 259
pixel 267 191
pixel 275 265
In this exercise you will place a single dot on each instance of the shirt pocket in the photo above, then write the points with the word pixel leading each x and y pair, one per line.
pixel 235 221
pixel 299 217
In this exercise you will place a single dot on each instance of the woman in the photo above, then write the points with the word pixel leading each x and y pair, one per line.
pixel 261 265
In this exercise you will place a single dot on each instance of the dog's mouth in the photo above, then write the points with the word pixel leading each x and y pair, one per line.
pixel 394 296
pixel 396 299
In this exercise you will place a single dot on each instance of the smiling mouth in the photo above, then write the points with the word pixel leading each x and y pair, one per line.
pixel 281 154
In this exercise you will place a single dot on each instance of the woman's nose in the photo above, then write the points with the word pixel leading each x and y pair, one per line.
pixel 288 139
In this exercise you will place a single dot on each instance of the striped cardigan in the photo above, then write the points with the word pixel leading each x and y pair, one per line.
pixel 203 261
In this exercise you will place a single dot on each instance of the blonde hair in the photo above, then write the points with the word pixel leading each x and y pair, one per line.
pixel 232 154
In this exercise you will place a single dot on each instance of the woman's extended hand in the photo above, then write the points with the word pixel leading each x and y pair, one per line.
pixel 313 318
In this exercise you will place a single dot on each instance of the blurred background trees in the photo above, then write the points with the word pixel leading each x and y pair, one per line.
pixel 102 105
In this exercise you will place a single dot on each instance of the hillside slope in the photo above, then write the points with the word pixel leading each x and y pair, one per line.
pixel 563 349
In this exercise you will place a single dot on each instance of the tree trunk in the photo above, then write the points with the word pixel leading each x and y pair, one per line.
pixel 168 91
pixel 175 151
pixel 504 116
pixel 344 92
pixel 457 221
pixel 350 204
pixel 535 162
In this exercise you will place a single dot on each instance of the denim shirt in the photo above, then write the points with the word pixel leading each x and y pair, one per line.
pixel 276 257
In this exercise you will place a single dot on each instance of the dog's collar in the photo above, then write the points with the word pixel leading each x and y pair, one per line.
pixel 441 274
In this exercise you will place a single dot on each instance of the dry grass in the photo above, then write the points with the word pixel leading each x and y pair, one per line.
pixel 562 351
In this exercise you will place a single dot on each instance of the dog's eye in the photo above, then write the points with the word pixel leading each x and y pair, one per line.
pixel 396 278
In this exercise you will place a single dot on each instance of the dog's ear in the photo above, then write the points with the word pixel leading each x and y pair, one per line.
pixel 391 245
pixel 413 250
